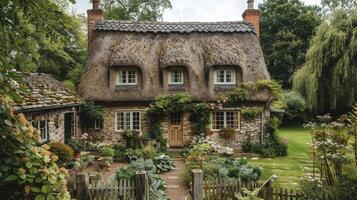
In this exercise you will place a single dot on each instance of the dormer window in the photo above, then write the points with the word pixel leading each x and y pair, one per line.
pixel 225 76
pixel 176 76
pixel 127 77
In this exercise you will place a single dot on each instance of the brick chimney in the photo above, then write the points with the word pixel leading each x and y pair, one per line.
pixel 94 15
pixel 252 15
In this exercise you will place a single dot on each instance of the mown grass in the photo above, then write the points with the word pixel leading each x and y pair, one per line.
pixel 290 168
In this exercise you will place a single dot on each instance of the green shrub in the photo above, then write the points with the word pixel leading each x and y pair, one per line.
pixel 164 163
pixel 273 146
pixel 108 152
pixel 250 113
pixel 120 153
pixel 227 133
pixel 63 151
pixel 294 107
pixel 149 151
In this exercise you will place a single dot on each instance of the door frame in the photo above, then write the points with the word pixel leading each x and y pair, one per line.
pixel 169 131
pixel 74 127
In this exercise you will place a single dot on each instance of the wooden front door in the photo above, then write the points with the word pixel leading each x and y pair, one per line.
pixel 176 130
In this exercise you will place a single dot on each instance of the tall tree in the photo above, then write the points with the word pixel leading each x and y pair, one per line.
pixel 136 10
pixel 339 4
pixel 39 35
pixel 328 79
pixel 286 28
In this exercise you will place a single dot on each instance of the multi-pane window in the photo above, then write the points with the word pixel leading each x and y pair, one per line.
pixel 41 126
pixel 225 76
pixel 225 119
pixel 128 120
pixel 176 76
pixel 127 77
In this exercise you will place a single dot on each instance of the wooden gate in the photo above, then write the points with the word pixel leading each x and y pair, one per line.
pixel 176 130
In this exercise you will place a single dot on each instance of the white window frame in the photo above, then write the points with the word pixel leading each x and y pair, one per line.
pixel 131 120
pixel 225 118
pixel 38 126
pixel 171 73
pixel 127 77
pixel 98 124
pixel 232 82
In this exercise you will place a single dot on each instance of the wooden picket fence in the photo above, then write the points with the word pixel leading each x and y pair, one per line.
pixel 112 190
pixel 221 189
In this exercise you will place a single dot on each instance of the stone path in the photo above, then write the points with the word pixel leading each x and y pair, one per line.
pixel 176 189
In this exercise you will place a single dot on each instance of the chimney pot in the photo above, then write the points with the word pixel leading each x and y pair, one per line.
pixel 252 15
pixel 250 4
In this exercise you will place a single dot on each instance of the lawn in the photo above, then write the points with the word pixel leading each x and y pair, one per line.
pixel 290 168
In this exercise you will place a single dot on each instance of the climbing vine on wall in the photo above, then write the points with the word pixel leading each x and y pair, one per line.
pixel 181 102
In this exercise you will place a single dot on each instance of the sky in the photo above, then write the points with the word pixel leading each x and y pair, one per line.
pixel 200 10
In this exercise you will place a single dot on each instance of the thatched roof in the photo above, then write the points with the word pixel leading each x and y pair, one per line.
pixel 45 92
pixel 151 47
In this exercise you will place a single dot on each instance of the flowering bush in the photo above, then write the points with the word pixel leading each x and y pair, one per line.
pixel 25 164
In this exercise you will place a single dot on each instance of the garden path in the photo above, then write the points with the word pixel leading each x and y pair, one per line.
pixel 176 189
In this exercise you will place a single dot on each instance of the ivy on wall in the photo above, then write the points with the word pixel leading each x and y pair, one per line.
pixel 200 111
pixel 181 102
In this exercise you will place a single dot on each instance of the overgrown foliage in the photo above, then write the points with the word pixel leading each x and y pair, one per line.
pixel 27 170
pixel 273 145
pixel 215 166
pixel 328 79
pixel 295 106
pixel 176 103
pixel 41 36
pixel 135 10
pixel 330 148
pixel 156 184
pixel 90 113
pixel 285 31
pixel 250 113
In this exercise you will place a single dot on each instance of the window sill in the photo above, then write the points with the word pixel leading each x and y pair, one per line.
pixel 224 87
pixel 126 88
pixel 177 88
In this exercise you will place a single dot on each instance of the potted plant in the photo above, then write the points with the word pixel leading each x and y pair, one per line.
pixel 77 147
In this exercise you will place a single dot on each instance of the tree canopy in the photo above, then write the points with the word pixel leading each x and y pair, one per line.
pixel 136 10
pixel 40 36
pixel 328 79
pixel 286 28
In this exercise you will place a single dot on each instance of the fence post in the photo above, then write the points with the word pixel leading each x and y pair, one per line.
pixel 269 190
pixel 82 186
pixel 141 186
pixel 197 184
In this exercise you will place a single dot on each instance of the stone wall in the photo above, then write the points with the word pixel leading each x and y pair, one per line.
pixel 55 121
pixel 252 128
pixel 249 128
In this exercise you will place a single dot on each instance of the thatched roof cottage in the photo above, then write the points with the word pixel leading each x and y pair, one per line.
pixel 131 63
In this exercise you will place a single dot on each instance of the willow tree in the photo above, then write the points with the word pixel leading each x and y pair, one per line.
pixel 328 79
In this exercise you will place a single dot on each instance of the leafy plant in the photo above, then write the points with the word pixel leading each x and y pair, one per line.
pixel 149 152
pixel 76 145
pixel 90 113
pixel 164 163
pixel 250 113
pixel 108 152
pixel 62 151
pixel 248 195
pixel 27 165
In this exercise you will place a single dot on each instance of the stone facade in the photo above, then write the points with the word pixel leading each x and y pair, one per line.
pixel 249 128
pixel 56 122
pixel 252 128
